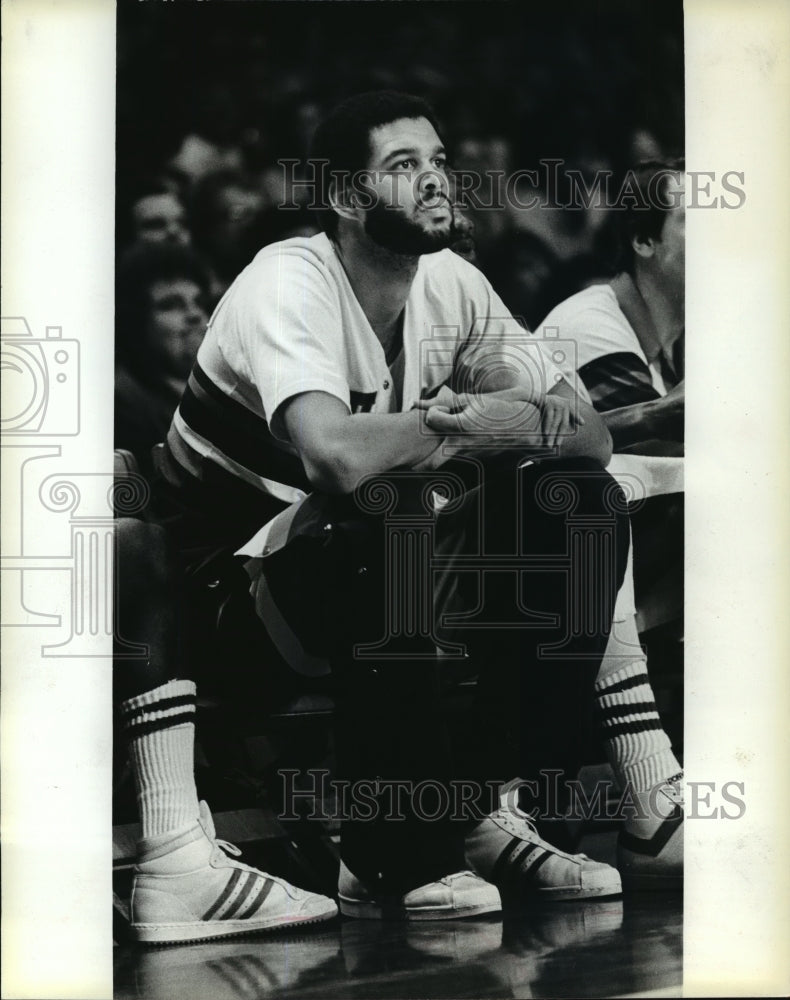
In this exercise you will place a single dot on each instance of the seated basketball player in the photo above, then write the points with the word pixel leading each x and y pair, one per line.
pixel 307 387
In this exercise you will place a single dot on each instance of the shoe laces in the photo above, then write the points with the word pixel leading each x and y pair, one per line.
pixel 514 820
pixel 228 847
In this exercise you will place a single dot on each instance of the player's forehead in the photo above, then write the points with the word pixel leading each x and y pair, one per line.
pixel 403 134
pixel 157 205
pixel 165 288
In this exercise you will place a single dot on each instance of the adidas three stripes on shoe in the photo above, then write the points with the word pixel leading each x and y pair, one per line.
pixel 187 888
pixel 506 849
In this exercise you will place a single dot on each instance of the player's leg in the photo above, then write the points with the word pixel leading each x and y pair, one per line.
pixel 186 886
pixel 650 846
pixel 398 856
pixel 566 522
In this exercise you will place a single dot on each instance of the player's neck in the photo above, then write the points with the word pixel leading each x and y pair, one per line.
pixel 665 305
pixel 381 281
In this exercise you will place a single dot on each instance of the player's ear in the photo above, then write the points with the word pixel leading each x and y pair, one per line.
pixel 341 198
pixel 644 247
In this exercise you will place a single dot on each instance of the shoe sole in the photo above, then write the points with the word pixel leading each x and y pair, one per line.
pixel 198 931
pixel 565 894
pixel 374 911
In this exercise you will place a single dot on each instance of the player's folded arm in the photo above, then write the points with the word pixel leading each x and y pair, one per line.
pixel 339 449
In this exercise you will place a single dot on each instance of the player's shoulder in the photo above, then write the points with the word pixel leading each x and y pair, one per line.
pixel 588 305
pixel 299 252
pixel 446 268
pixel 593 319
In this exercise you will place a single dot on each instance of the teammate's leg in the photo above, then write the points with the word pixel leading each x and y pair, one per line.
pixel 186 887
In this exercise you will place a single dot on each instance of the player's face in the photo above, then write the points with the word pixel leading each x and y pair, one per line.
pixel 160 218
pixel 670 249
pixel 412 213
pixel 176 323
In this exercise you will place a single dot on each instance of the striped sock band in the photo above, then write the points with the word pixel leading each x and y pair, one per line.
pixel 637 746
pixel 160 728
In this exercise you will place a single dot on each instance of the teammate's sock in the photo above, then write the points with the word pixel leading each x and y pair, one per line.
pixel 160 728
pixel 637 747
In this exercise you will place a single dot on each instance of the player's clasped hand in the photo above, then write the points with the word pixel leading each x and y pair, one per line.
pixel 499 416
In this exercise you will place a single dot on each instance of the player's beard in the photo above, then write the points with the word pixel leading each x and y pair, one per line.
pixel 392 230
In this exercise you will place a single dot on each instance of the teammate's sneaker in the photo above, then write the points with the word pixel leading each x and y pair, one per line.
pixel 462 894
pixel 506 849
pixel 650 845
pixel 187 888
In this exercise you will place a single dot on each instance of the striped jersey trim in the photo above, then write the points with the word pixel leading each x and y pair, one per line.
pixel 213 433
pixel 238 433
pixel 618 379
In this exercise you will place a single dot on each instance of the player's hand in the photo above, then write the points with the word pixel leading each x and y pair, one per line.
pixel 559 416
pixel 484 419
pixel 446 399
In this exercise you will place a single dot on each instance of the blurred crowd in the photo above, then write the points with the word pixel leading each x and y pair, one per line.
pixel 212 98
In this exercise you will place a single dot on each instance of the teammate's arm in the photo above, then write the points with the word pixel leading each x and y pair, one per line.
pixel 660 418
pixel 338 449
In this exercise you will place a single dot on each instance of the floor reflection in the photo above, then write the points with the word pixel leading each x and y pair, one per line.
pixel 584 949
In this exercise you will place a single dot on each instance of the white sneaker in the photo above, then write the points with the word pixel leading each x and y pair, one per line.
pixel 650 845
pixel 506 849
pixel 186 888
pixel 462 894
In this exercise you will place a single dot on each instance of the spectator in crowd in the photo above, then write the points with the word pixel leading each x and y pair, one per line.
pixel 225 209
pixel 158 216
pixel 161 293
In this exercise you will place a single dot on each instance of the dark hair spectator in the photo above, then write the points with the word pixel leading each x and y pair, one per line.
pixel 160 319
pixel 157 215
pixel 225 208
pixel 644 204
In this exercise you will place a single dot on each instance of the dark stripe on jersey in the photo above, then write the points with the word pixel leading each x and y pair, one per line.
pixel 616 380
pixel 214 507
pixel 239 434
pixel 362 402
